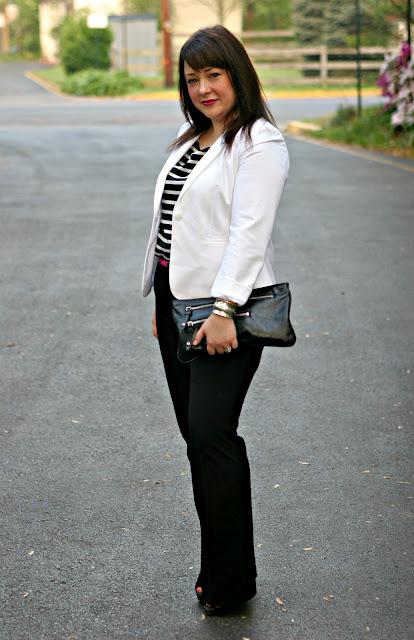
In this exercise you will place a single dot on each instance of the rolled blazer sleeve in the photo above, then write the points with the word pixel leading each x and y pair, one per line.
pixel 259 184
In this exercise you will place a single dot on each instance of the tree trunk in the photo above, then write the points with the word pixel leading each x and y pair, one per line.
pixel 249 16
pixel 221 11
pixel 69 7
pixel 5 33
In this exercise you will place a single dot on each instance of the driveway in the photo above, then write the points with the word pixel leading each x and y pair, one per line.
pixel 99 533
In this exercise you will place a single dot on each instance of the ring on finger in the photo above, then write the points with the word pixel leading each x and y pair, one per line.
pixel 227 349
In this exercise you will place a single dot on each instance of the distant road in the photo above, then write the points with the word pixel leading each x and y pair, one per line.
pixel 24 103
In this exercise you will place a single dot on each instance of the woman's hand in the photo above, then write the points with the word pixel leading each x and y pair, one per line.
pixel 154 326
pixel 220 333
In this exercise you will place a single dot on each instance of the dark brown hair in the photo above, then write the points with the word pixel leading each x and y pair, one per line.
pixel 218 47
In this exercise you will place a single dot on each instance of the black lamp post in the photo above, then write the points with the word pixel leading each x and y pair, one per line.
pixel 358 55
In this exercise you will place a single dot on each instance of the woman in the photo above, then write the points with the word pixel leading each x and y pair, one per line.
pixel 214 208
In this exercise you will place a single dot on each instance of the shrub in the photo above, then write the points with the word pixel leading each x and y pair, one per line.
pixel 397 83
pixel 343 115
pixel 372 130
pixel 93 82
pixel 82 47
pixel 24 30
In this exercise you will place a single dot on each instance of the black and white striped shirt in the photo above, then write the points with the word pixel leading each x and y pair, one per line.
pixel 173 184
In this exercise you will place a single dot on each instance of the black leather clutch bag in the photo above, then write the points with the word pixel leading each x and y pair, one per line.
pixel 262 320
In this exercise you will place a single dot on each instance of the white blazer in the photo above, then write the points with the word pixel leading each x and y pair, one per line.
pixel 222 222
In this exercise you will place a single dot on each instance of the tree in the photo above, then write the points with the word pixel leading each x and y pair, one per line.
pixel 267 14
pixel 25 29
pixel 82 47
pixel 5 34
pixel 142 6
pixel 393 7
pixel 309 23
pixel 332 23
pixel 68 5
pixel 340 23
pixel 309 20
pixel 391 11
pixel 221 8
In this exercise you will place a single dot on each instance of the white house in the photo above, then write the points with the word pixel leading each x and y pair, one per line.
pixel 186 17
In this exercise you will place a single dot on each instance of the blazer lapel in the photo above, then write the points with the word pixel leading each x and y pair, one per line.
pixel 170 162
pixel 173 158
pixel 202 164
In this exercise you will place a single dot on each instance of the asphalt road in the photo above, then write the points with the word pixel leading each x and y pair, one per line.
pixel 24 103
pixel 99 535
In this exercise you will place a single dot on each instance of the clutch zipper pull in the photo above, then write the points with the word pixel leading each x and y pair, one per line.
pixel 200 306
pixel 191 323
pixel 267 295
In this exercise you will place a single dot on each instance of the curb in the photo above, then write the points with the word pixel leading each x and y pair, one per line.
pixel 297 126
pixel 296 94
pixel 173 96
pixel 53 88
pixel 46 84
pixel 400 162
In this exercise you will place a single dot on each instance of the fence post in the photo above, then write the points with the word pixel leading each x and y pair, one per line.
pixel 324 63
pixel 124 26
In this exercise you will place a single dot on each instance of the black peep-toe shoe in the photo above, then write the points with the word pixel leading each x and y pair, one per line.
pixel 199 594
pixel 228 607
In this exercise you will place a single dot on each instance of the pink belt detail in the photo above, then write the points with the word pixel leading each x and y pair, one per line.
pixel 163 262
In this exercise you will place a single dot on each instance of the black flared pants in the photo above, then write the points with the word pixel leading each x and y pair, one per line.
pixel 208 395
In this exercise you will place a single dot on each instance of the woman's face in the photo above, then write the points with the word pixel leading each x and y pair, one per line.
pixel 211 92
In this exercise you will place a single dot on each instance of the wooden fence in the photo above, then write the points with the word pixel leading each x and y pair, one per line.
pixel 297 58
pixel 270 58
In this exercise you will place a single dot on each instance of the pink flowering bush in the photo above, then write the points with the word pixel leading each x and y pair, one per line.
pixel 397 83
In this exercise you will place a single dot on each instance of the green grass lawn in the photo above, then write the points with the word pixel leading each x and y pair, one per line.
pixel 18 57
pixel 54 74
pixel 274 80
pixel 372 131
